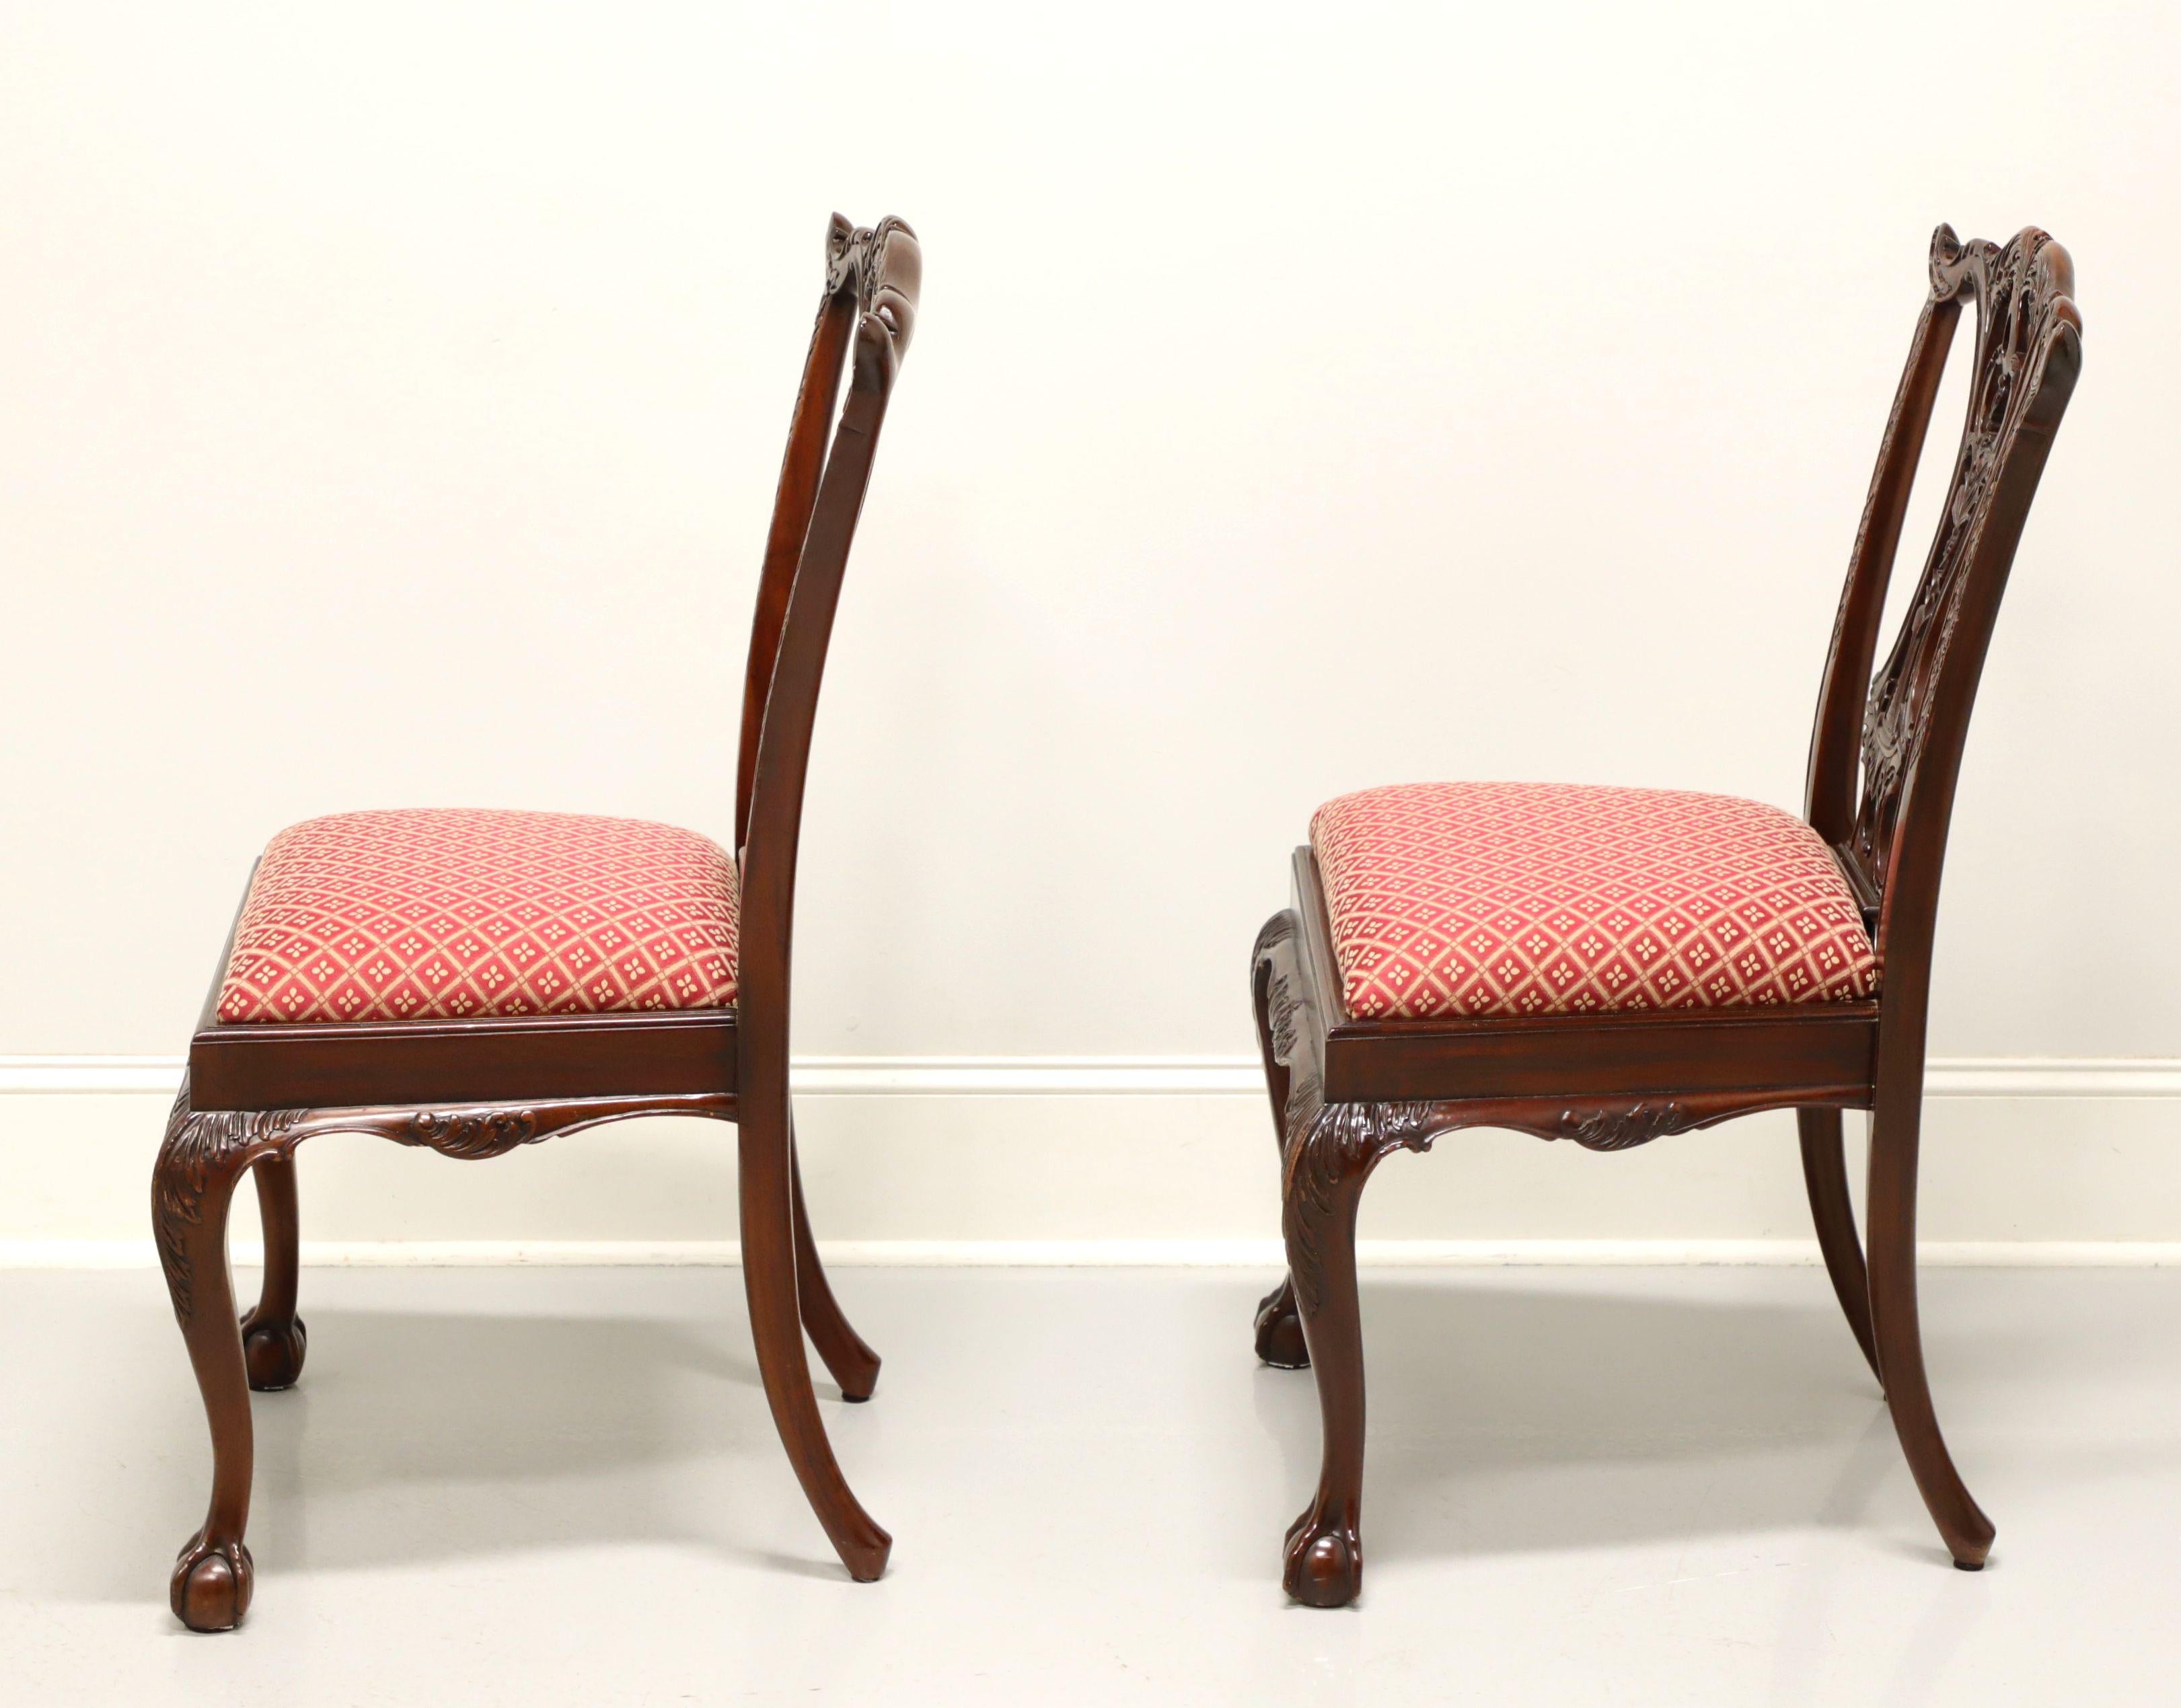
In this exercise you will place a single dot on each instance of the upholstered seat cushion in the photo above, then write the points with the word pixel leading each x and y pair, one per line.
pixel 458 914
pixel 1463 899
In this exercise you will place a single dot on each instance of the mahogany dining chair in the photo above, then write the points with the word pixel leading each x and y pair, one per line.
pixel 471 981
pixel 1611 965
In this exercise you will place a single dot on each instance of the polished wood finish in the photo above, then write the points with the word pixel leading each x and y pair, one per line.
pixel 1825 1174
pixel 675 1053
pixel 478 1089
pixel 1886 752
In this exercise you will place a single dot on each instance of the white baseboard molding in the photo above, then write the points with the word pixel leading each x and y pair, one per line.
pixel 1256 1254
pixel 1108 1076
pixel 2032 1161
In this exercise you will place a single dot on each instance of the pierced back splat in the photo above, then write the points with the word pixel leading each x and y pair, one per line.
pixel 1886 750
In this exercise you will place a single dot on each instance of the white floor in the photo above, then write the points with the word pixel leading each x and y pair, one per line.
pixel 1643 1486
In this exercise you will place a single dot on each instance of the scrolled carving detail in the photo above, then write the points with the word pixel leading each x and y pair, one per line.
pixel 203 1148
pixel 1332 1147
pixel 839 255
pixel 1280 1000
pixel 470 1135
pixel 854 258
pixel 1623 1128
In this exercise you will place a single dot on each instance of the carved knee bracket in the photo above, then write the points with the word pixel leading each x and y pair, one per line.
pixel 206 1151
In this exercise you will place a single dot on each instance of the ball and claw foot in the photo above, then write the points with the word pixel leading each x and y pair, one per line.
pixel 1324 1561
pixel 1279 1330
pixel 210 1589
pixel 273 1352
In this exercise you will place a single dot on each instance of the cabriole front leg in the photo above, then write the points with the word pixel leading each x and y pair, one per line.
pixel 1330 1154
pixel 1324 1560
pixel 203 1156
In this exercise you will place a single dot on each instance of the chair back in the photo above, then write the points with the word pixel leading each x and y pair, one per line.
pixel 1886 750
pixel 866 320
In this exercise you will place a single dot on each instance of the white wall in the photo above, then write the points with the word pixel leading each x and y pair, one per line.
pixel 1304 398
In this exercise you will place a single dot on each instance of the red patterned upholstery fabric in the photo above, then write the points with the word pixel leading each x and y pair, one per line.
pixel 1534 898
pixel 458 914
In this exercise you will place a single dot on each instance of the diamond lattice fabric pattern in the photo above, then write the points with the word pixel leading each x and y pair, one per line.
pixel 1462 899
pixel 457 915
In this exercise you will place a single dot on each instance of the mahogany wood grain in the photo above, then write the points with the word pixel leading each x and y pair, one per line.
pixel 1885 752
pixel 478 1088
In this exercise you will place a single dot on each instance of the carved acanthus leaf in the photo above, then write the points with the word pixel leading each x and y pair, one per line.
pixel 469 1134
pixel 853 256
pixel 203 1152
pixel 1619 1129
pixel 1281 1001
